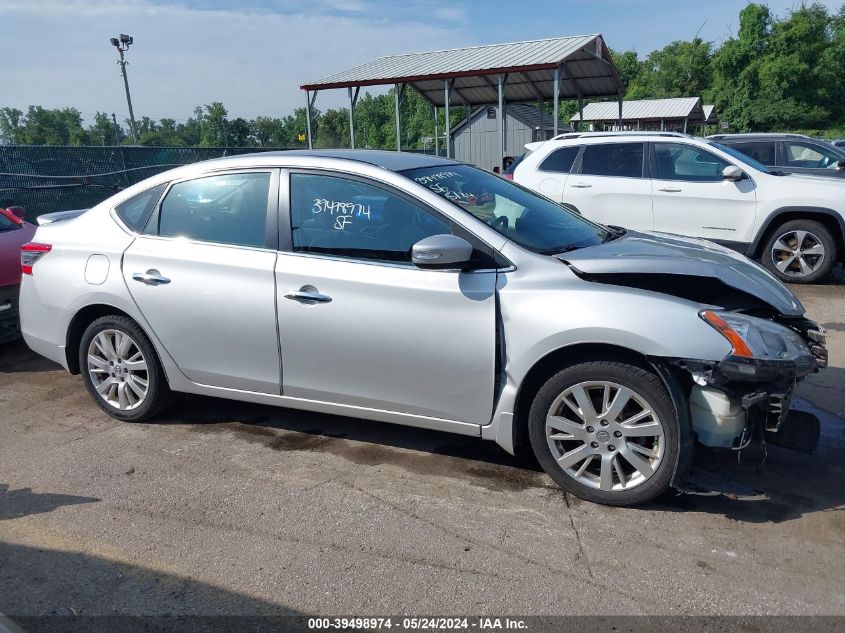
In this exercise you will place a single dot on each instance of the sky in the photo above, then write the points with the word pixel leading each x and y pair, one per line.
pixel 254 54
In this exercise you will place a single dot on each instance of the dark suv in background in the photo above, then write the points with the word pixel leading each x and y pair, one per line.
pixel 789 153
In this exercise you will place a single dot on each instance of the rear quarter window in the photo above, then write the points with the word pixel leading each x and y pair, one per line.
pixel 136 211
pixel 560 160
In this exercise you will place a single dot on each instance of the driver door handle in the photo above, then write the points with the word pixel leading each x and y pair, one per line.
pixel 580 185
pixel 304 296
pixel 670 189
pixel 152 278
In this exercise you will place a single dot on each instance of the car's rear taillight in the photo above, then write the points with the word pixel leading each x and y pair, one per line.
pixel 31 252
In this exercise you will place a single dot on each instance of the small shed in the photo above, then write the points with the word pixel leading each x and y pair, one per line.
pixel 476 138
pixel 673 115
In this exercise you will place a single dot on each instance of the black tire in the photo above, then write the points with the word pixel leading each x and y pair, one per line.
pixel 158 395
pixel 817 232
pixel 650 388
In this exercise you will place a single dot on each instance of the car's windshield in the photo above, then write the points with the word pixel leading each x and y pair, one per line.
pixel 6 224
pixel 521 215
pixel 744 158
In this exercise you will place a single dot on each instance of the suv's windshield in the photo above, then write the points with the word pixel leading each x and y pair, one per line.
pixel 6 224
pixel 521 215
pixel 744 158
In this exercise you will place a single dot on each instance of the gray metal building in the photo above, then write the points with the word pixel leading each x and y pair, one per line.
pixel 477 139
pixel 536 71
pixel 676 114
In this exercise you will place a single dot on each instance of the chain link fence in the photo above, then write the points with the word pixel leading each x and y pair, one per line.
pixel 43 179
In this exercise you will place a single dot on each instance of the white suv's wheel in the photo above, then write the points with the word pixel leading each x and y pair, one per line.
pixel 121 371
pixel 800 251
pixel 607 432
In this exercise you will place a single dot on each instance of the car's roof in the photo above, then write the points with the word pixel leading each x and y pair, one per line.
pixel 393 161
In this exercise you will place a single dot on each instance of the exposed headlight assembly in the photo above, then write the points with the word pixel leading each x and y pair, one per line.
pixel 761 349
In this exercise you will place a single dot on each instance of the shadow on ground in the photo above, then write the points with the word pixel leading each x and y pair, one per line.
pixel 16 357
pixel 796 483
pixel 23 502
pixel 50 590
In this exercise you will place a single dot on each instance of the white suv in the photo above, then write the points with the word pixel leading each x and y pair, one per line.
pixel 676 183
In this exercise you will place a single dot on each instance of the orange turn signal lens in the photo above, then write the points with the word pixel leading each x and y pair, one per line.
pixel 740 347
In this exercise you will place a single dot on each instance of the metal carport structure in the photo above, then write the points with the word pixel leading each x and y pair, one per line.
pixel 533 71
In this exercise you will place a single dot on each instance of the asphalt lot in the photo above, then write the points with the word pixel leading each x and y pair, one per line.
pixel 230 508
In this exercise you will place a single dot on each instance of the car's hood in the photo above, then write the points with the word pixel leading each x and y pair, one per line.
pixel 663 254
pixel 10 253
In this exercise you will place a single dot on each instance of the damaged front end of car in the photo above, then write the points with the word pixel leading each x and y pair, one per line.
pixel 746 396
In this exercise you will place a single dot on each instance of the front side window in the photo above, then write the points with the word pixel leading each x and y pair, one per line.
pixel 560 160
pixel 226 209
pixel 809 155
pixel 760 151
pixel 623 160
pixel 527 218
pixel 348 218
pixel 678 161
pixel 136 211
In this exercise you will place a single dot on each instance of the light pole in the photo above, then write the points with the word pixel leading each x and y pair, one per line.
pixel 122 45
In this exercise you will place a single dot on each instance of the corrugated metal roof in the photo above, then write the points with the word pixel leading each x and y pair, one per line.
pixel 677 108
pixel 532 116
pixel 588 70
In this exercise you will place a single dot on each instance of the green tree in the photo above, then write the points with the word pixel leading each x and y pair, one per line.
pixel 679 69
pixel 12 126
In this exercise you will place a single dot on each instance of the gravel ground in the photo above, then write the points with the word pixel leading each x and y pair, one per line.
pixel 230 508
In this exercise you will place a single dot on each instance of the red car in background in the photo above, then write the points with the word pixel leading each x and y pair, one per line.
pixel 14 233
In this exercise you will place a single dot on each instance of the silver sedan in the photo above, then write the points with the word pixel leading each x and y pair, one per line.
pixel 419 291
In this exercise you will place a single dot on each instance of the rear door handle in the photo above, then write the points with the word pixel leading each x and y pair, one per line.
pixel 670 189
pixel 306 296
pixel 152 278
pixel 580 185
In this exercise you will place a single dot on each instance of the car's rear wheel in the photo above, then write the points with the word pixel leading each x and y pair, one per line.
pixel 800 251
pixel 606 432
pixel 121 371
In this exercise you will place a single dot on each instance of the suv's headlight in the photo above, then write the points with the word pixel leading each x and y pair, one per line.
pixel 761 349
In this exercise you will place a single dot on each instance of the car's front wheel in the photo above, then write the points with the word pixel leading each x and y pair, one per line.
pixel 121 371
pixel 606 432
pixel 800 251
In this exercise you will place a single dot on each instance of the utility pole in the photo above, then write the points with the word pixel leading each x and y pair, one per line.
pixel 116 129
pixel 122 44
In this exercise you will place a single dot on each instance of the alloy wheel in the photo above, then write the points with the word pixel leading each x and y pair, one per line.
pixel 118 369
pixel 605 435
pixel 798 253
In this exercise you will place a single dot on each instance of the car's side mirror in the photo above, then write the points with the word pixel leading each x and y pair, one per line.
pixel 732 172
pixel 441 251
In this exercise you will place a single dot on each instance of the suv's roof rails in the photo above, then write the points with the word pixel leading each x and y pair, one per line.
pixel 567 135
pixel 757 135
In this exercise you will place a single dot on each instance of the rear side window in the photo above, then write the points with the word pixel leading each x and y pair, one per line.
pixel 623 160
pixel 136 211
pixel 761 152
pixel 226 209
pixel 560 160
